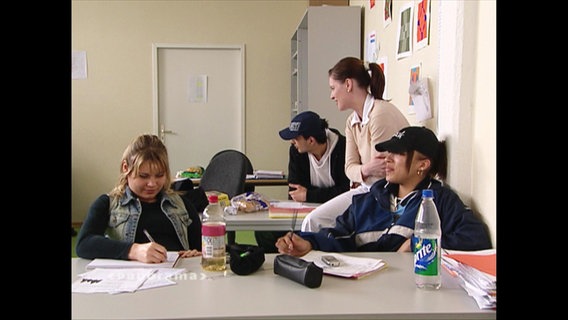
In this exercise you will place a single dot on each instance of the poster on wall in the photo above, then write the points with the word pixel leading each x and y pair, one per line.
pixel 421 97
pixel 387 13
pixel 197 88
pixel 371 4
pixel 78 65
pixel 404 47
pixel 422 24
pixel 414 77
pixel 372 47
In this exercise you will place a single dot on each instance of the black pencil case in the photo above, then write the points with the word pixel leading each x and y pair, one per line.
pixel 245 259
pixel 299 270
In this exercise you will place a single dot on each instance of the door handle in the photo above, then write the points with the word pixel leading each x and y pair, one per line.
pixel 163 132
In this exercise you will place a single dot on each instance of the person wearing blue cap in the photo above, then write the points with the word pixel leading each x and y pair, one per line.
pixel 316 165
pixel 383 219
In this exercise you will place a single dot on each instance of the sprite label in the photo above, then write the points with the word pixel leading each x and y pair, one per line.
pixel 425 259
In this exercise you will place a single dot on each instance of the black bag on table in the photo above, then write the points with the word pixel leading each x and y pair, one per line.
pixel 245 259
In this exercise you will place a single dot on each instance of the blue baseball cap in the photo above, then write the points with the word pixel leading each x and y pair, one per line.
pixel 307 124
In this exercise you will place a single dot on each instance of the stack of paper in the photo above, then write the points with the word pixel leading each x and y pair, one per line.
pixel 118 276
pixel 477 273
pixel 287 209
pixel 111 280
pixel 268 174
pixel 349 267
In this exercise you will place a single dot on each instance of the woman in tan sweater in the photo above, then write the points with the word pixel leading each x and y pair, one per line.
pixel 358 86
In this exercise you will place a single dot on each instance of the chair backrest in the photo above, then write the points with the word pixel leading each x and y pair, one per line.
pixel 226 172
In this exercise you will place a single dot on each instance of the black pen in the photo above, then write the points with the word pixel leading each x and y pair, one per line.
pixel 293 226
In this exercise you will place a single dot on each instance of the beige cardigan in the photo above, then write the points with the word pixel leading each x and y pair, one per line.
pixel 384 121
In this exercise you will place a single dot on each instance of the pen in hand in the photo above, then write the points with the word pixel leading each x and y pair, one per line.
pixel 293 226
pixel 152 240
pixel 148 235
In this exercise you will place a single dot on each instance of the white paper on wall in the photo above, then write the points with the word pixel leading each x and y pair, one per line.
pixel 78 65
pixel 418 90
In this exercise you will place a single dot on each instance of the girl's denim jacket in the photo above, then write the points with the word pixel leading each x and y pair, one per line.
pixel 125 212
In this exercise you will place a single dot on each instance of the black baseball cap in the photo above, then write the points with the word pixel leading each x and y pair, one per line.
pixel 420 139
pixel 307 124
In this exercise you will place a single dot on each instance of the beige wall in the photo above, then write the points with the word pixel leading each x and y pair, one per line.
pixel 114 104
pixel 462 89
pixel 484 146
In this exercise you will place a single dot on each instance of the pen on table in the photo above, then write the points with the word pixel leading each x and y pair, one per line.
pixel 177 260
pixel 148 235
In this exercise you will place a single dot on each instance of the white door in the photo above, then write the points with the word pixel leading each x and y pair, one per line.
pixel 198 101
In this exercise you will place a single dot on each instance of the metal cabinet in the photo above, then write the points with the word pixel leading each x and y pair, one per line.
pixel 324 36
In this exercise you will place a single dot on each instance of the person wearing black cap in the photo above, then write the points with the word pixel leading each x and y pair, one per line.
pixel 316 166
pixel 383 218
pixel 358 86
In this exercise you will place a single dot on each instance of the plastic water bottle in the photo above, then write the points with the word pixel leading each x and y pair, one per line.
pixel 213 227
pixel 426 244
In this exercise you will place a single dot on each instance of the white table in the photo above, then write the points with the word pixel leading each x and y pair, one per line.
pixel 255 182
pixel 387 294
pixel 259 221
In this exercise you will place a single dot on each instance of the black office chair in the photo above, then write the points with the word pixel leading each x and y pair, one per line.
pixel 196 196
pixel 226 172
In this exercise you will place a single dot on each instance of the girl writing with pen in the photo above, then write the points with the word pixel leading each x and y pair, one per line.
pixel 141 200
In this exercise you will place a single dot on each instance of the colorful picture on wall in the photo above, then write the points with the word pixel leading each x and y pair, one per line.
pixel 371 4
pixel 422 24
pixel 387 13
pixel 404 47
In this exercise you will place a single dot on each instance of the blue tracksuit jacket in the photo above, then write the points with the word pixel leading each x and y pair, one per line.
pixel 369 225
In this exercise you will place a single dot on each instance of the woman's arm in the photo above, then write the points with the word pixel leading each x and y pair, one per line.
pixel 461 229
pixel 352 157
pixel 92 242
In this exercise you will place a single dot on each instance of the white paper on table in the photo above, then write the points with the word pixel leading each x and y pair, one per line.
pixel 117 263
pixel 106 280
pixel 349 267
pixel 162 277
